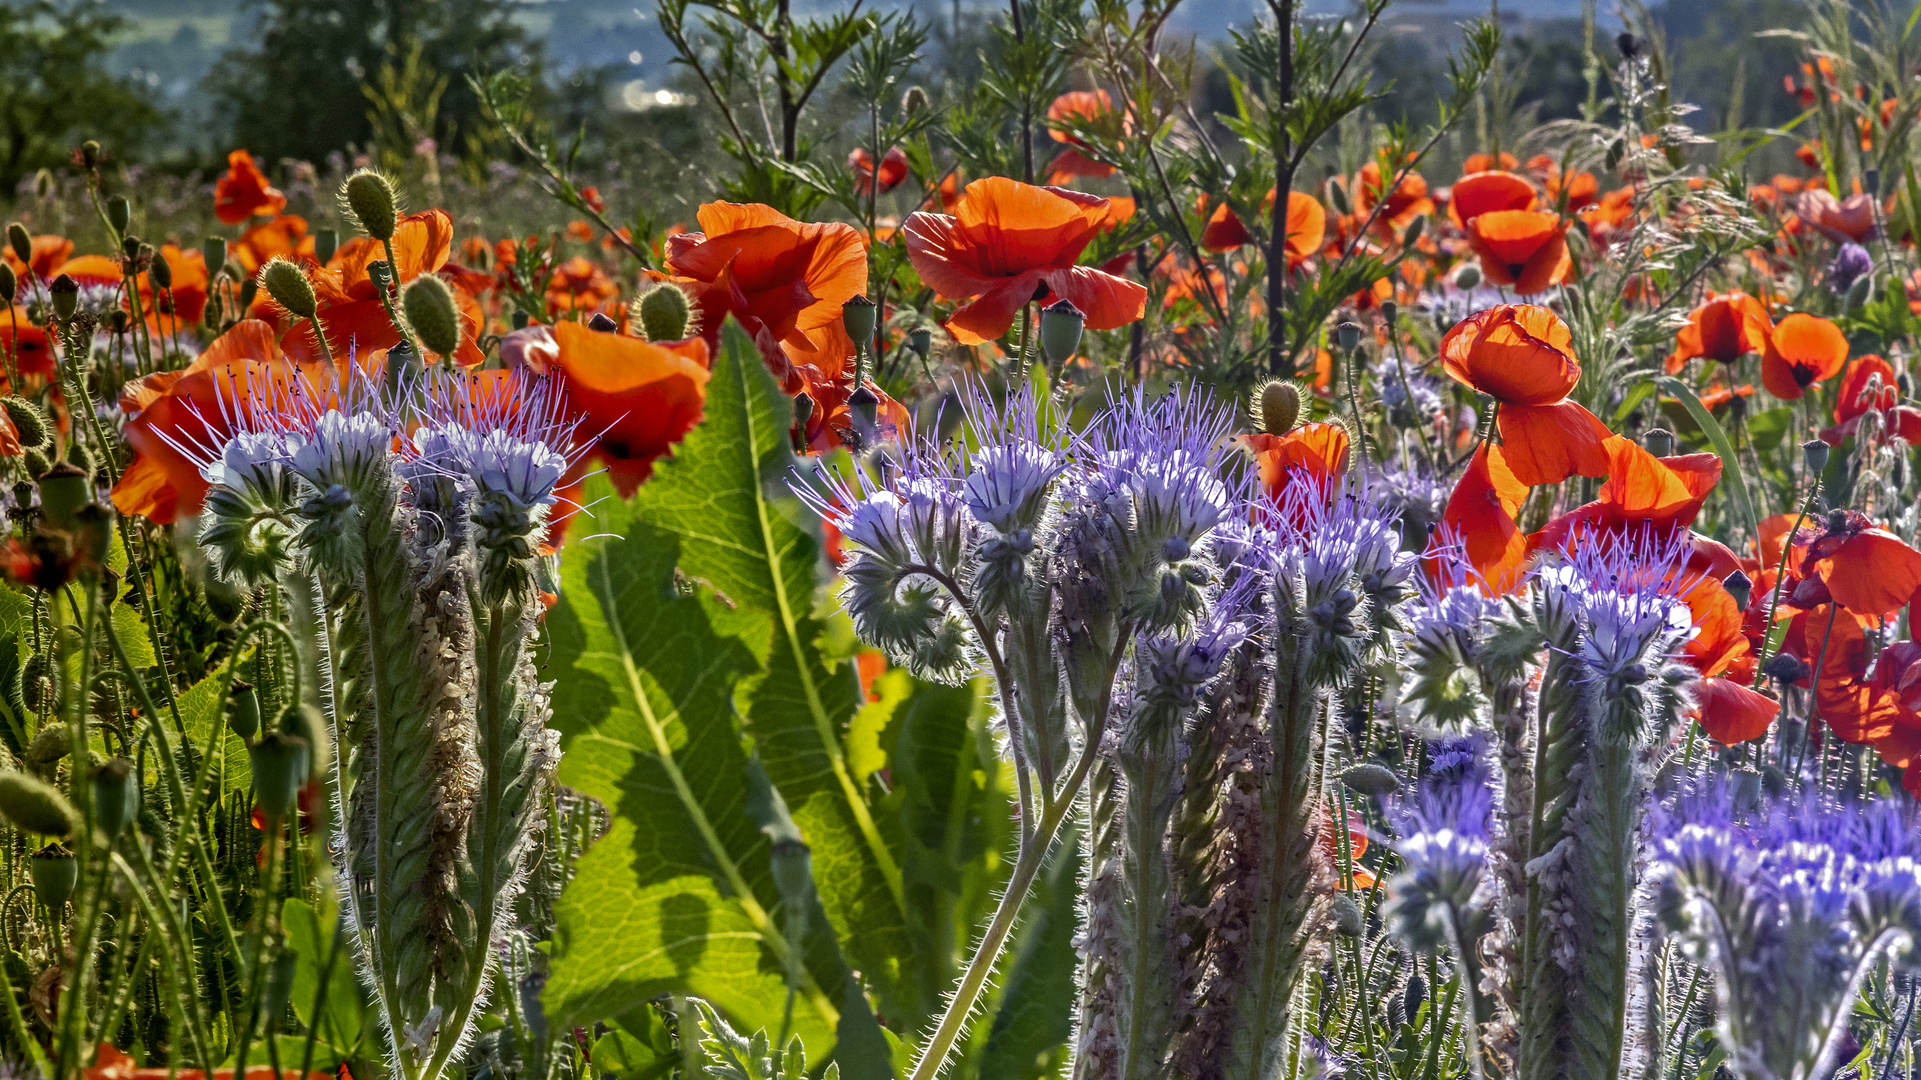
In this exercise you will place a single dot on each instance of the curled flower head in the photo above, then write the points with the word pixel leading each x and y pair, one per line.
pixel 1011 474
pixel 1165 456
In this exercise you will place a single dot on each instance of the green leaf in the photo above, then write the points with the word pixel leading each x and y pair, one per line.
pixel 1767 429
pixel 341 1012
pixel 1730 463
pixel 201 715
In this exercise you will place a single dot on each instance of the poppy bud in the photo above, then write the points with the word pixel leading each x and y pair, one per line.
pixel 1277 408
pixel 213 251
pixel 21 243
pixel 51 743
pixel 402 365
pixel 279 765
pixel 1467 277
pixel 1739 586
pixel 243 710
pixel 1390 313
pixel 370 198
pixel 289 287
pixel 8 283
pixel 1369 778
pixel 55 872
pixel 64 489
pixel 66 296
pixel 913 101
pixel 93 532
pixel 90 154
pixel 114 795
pixel 1348 336
pixel 599 323
pixel 430 309
pixel 1061 325
pixel 1785 668
pixel 305 722
pixel 249 289
pixel 921 340
pixel 1814 453
pixel 135 248
pixel 1412 234
pixel 865 408
pixel 664 313
pixel 1337 194
pixel 119 213
pixel 35 806
pixel 29 423
pixel 325 243
pixel 1347 916
pixel 160 274
pixel 858 316
pixel 1659 441
pixel 79 457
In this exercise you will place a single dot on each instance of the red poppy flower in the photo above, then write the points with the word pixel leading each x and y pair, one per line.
pixel 1579 189
pixel 284 236
pixel 636 398
pixel 1868 386
pixel 1480 163
pixel 30 349
pixel 1725 328
pixel 1329 843
pixel 1407 201
pixel 893 169
pixel 1479 520
pixel 784 280
pixel 1485 192
pixel 1317 450
pixel 1519 355
pixel 1609 216
pixel 350 306
pixel 1802 350
pixel 1009 244
pixel 180 305
pixel 1642 492
pixel 1841 220
pixel 46 253
pixel 111 1064
pixel 1090 107
pixel 1732 713
pixel 244 192
pixel 1834 645
pixel 1868 570
pixel 1306 226
pixel 1525 250
pixel 579 284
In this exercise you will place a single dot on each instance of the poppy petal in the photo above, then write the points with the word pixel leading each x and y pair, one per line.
pixel 1732 713
pixel 1546 444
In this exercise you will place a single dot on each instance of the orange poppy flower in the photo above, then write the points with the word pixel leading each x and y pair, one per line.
pixel 1642 492
pixel 784 280
pixel 635 398
pixel 1480 163
pixel 1519 355
pixel 350 306
pixel 1479 519
pixel 1579 189
pixel 1318 450
pixel 1306 226
pixel 1868 386
pixel 1732 713
pixel 244 192
pixel 1330 844
pixel 1408 200
pixel 47 251
pixel 1525 250
pixel 1609 216
pixel 181 304
pixel 893 169
pixel 1811 81
pixel 1009 244
pixel 832 417
pixel 579 284
pixel 284 236
pixel 1802 350
pixel 1850 219
pixel 93 270
pixel 1725 328
pixel 1834 644
pixel 1485 192
pixel 111 1064
pixel 1091 106
pixel 1868 570
pixel 29 347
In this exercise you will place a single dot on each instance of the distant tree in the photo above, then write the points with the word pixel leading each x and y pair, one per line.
pixel 54 89
pixel 295 91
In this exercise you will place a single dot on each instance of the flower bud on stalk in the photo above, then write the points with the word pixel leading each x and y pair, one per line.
pixel 66 296
pixel 20 242
pixel 29 423
pixel 280 766
pixel 858 316
pixel 1659 442
pixel 9 284
pixel 36 806
pixel 921 340
pixel 429 306
pixel 55 872
pixel 665 313
pixel 325 243
pixel 370 199
pixel 114 796
pixel 119 214
pixel 64 489
pixel 1277 408
pixel 243 710
pixel 213 251
pixel 1814 453
pixel 90 155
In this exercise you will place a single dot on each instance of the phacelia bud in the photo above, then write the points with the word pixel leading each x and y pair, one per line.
pixel 119 213
pixel 1061 326
pixel 66 296
pixel 36 806
pixel 665 313
pixel 243 710
pixel 64 489
pixel 1814 453
pixel 1278 407
pixel 858 316
pixel 370 199
pixel 114 796
pixel 20 242
pixel 279 765
pixel 289 287
pixel 325 243
pixel 429 304
pixel 29 423
pixel 1659 441
pixel 55 872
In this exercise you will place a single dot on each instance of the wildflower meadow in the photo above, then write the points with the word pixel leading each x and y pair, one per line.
pixel 1150 560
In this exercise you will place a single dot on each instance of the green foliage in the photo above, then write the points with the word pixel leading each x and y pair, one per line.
pixel 55 91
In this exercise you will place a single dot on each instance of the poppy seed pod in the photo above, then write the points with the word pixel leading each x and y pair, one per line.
pixel 1814 453
pixel 1659 441
pixel 213 250
pixel 921 340
pixel 160 274
pixel 865 408
pixel 858 316
pixel 289 287
pixel 1468 277
pixel 119 213
pixel 66 296
pixel 279 765
pixel 1061 326
pixel 664 313
pixel 1390 313
pixel 36 806
pixel 8 283
pixel 1277 407
pixel 803 410
pixel 1348 336
pixel 243 710
pixel 29 423
pixel 55 872
pixel 114 796
pixel 370 198
pixel 20 242
pixel 64 489
pixel 1739 586
pixel 325 243
pixel 429 305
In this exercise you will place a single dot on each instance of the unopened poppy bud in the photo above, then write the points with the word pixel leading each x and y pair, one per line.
pixel 1814 453
pixel 249 289
pixel 279 765
pixel 29 423
pixel 858 316
pixel 119 213
pixel 921 340
pixel 325 243
pixel 1659 441
pixel 305 722
pixel 601 324
pixel 55 872
pixel 1061 326
pixel 429 304
pixel 113 796
pixel 1337 194
pixel 664 313
pixel 1467 277
pixel 64 489
pixel 1369 778
pixel 913 101
pixel 90 154
pixel 865 408
pixel 66 296
pixel 213 251
pixel 289 287
pixel 1347 916
pixel 1739 586
pixel 35 462
pixel 1412 234
pixel 20 242
pixel 1390 313
pixel 370 198
pixel 243 710
pixel 35 806
pixel 1348 336
pixel 1277 408
pixel 8 283
pixel 160 274
pixel 52 743
pixel 803 411
pixel 93 533
pixel 1871 181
